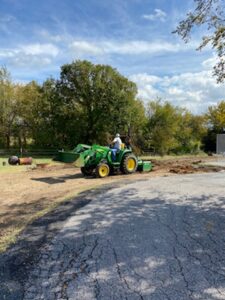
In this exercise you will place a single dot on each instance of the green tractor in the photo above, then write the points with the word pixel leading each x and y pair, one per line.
pixel 98 159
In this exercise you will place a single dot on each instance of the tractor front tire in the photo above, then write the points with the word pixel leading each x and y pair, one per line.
pixel 129 164
pixel 86 171
pixel 102 170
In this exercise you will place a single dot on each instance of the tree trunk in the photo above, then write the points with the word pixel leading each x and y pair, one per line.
pixel 7 141
pixel 20 141
pixel 24 140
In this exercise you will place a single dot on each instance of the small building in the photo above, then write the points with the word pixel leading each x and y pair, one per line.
pixel 220 143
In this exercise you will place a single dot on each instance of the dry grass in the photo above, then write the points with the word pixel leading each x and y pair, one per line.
pixel 29 194
pixel 14 169
pixel 19 222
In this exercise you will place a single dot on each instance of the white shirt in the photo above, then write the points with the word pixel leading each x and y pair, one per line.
pixel 117 143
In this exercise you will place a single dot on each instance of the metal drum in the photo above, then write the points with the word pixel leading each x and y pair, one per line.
pixel 25 161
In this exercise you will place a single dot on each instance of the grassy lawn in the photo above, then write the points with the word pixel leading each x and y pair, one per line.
pixel 11 169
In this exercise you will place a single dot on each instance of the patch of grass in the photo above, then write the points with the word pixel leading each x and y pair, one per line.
pixel 9 238
pixel 11 169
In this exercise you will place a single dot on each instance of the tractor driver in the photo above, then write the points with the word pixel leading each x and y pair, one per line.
pixel 116 146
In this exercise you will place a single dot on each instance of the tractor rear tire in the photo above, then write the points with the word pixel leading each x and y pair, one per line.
pixel 86 171
pixel 102 170
pixel 129 164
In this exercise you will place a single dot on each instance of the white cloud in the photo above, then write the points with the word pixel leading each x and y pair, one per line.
pixel 195 91
pixel 135 47
pixel 30 55
pixel 4 53
pixel 140 47
pixel 40 49
pixel 208 64
pixel 31 50
pixel 28 61
pixel 56 38
pixel 84 47
pixel 158 15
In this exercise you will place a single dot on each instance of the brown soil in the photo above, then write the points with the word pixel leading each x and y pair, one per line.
pixel 29 194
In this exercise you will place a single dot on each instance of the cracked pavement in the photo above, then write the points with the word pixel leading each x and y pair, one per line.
pixel 157 239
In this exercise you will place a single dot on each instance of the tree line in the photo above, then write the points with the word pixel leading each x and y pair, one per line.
pixel 89 103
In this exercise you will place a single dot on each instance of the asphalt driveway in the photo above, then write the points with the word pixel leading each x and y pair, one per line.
pixel 162 238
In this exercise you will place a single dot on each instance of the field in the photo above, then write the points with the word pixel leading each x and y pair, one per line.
pixel 14 169
pixel 28 192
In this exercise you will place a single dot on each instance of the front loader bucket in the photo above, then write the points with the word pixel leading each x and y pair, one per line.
pixel 72 156
pixel 67 157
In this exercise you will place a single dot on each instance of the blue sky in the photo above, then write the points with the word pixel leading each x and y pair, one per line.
pixel 134 36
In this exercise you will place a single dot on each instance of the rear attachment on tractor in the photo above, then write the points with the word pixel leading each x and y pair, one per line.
pixel 144 166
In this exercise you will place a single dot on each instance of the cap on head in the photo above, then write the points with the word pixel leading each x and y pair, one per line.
pixel 117 135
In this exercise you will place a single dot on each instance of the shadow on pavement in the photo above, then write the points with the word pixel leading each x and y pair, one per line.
pixel 162 258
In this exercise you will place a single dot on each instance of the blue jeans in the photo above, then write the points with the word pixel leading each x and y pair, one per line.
pixel 114 151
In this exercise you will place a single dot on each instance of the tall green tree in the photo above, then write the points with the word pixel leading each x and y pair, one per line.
pixel 162 126
pixel 191 130
pixel 30 112
pixel 173 129
pixel 95 101
pixel 216 117
pixel 210 16
pixel 8 107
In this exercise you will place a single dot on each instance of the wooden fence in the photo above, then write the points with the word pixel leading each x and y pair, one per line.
pixel 51 152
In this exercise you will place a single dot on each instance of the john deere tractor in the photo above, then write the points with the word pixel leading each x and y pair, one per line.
pixel 98 159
